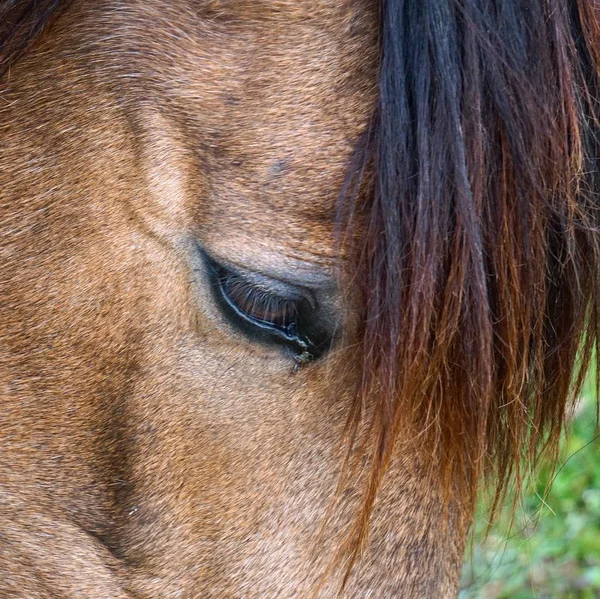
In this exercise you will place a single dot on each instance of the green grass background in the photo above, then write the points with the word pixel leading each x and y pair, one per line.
pixel 552 548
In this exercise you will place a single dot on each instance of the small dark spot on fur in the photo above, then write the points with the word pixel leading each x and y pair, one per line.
pixel 279 167
pixel 230 100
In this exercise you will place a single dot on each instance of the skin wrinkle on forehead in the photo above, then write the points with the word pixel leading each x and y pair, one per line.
pixel 328 13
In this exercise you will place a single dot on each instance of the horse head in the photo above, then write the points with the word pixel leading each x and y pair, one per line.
pixel 282 282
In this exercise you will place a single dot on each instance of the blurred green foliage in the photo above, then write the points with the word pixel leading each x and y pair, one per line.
pixel 551 549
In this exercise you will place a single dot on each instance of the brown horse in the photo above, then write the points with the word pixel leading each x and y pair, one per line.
pixel 282 281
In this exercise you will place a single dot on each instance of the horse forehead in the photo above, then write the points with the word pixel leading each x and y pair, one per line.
pixel 279 157
pixel 275 95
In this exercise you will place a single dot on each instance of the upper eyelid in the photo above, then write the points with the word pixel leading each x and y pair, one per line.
pixel 292 337
pixel 257 286
pixel 275 287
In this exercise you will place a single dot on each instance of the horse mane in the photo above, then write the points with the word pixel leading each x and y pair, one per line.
pixel 476 246
pixel 21 23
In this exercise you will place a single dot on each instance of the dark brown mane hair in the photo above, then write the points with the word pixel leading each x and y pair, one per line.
pixel 477 248
pixel 478 251
pixel 21 23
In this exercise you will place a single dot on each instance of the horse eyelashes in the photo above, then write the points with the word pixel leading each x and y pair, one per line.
pixel 260 305
pixel 270 311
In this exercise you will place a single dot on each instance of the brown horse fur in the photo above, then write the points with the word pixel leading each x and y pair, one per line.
pixel 148 448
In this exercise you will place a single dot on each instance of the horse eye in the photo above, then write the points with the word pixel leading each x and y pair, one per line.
pixel 261 313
